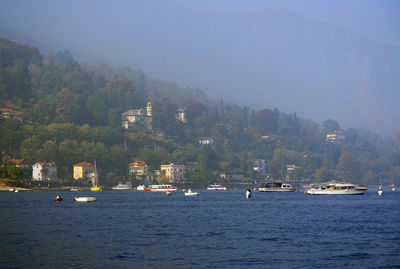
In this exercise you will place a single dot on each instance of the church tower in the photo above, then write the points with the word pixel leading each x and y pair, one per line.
pixel 149 112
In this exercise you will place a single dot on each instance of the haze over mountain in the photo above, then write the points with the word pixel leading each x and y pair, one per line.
pixel 260 58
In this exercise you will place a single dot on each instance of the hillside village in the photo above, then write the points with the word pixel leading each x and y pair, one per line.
pixel 58 116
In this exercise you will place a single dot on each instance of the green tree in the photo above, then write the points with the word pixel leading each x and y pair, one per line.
pixel 66 105
pixel 349 168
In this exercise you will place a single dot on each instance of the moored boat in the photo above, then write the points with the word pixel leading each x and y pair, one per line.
pixel 191 193
pixel 333 188
pixel 141 187
pixel 160 188
pixel 96 186
pixel 85 199
pixel 123 187
pixel 276 187
pixel 216 187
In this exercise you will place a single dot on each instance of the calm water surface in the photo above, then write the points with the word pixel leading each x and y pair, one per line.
pixel 214 230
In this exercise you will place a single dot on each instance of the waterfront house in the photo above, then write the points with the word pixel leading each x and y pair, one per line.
pixel 138 168
pixel 83 170
pixel 173 172
pixel 44 171
pixel 20 163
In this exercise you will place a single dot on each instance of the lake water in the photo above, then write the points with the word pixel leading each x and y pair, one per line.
pixel 214 230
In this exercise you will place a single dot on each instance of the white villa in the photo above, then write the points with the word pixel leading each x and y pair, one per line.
pixel 44 171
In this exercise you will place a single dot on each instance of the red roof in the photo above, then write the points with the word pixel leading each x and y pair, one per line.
pixel 16 161
pixel 47 164
pixel 83 164
pixel 138 163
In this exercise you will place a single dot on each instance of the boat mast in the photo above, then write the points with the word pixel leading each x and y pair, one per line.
pixel 96 178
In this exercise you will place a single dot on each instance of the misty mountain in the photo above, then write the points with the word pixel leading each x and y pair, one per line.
pixel 264 59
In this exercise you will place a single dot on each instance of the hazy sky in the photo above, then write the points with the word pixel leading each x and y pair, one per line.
pixel 321 59
pixel 376 19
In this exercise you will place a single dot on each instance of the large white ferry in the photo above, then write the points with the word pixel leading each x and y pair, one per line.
pixel 160 188
pixel 276 187
pixel 216 187
pixel 333 188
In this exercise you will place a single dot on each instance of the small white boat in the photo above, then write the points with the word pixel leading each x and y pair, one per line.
pixel 191 193
pixel 85 199
pixel 216 187
pixel 74 189
pixel 123 187
pixel 333 188
pixel 140 187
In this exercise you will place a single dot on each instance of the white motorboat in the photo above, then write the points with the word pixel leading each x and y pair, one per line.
pixel 276 187
pixel 85 199
pixel 123 187
pixel 191 193
pixel 140 187
pixel 160 188
pixel 333 188
pixel 216 187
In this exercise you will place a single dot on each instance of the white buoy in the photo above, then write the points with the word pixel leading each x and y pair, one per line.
pixel 248 193
pixel 380 192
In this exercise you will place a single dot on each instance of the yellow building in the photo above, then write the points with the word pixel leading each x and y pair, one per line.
pixel 83 170
pixel 138 168
pixel 174 173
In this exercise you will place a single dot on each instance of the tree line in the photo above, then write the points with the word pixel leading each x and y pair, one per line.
pixel 72 113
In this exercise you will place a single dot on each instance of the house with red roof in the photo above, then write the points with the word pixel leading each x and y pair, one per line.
pixel 44 171
pixel 138 168
pixel 83 170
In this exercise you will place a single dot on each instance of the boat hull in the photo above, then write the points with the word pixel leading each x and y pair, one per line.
pixel 216 187
pixel 335 192
pixel 95 189
pixel 160 188
pixel 192 194
pixel 85 199
pixel 276 189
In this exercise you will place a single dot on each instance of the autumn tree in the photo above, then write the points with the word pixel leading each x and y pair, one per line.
pixel 66 110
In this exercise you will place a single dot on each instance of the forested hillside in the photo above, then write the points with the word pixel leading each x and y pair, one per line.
pixel 72 113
